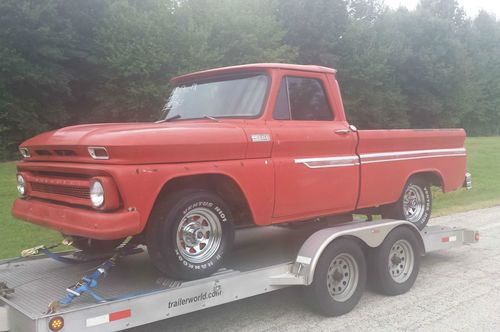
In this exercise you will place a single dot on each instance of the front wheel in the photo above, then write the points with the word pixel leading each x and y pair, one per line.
pixel 414 205
pixel 189 234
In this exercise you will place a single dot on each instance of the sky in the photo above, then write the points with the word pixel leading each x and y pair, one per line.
pixel 471 7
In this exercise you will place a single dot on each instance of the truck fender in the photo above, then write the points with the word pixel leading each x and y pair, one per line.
pixel 371 233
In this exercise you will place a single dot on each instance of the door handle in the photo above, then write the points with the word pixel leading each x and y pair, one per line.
pixel 342 131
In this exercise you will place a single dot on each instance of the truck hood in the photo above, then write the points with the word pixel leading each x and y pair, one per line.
pixel 141 143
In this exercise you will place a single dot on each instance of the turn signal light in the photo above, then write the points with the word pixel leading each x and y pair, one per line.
pixel 56 323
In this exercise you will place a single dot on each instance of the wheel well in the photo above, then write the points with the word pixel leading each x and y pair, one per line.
pixel 432 177
pixel 222 185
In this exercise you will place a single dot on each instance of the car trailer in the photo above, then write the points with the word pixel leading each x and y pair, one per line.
pixel 332 264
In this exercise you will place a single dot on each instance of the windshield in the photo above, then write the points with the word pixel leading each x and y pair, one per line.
pixel 240 96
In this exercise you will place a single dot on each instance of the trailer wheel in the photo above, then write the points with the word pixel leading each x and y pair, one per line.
pixel 339 278
pixel 414 205
pixel 92 246
pixel 394 265
pixel 189 234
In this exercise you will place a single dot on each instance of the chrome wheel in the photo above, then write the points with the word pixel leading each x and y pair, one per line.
pixel 342 277
pixel 414 203
pixel 401 261
pixel 199 235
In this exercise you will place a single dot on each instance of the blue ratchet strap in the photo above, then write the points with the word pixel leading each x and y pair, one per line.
pixel 59 258
pixel 85 285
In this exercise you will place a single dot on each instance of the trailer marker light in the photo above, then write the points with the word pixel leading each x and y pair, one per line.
pixel 447 239
pixel 104 319
pixel 56 323
pixel 477 237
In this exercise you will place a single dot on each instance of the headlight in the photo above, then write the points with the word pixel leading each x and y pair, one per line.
pixel 97 193
pixel 21 185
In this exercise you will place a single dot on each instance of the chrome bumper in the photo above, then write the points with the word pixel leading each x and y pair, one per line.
pixel 468 181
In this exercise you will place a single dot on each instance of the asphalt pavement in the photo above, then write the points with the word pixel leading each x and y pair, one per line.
pixel 456 290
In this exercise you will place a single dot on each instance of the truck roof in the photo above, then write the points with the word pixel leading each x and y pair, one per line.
pixel 250 67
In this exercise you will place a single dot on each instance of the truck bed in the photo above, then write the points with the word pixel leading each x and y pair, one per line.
pixel 389 158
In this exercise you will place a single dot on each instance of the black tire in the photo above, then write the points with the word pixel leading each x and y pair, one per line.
pixel 331 272
pixel 419 191
pixel 203 216
pixel 392 270
pixel 92 246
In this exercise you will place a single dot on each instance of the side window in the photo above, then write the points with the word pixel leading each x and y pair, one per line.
pixel 303 99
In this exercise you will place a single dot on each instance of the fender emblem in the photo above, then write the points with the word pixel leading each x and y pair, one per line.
pixel 261 138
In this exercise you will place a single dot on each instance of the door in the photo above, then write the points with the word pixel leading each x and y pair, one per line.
pixel 316 168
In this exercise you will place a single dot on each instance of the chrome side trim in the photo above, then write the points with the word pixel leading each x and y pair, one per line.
pixel 411 158
pixel 381 157
pixel 412 152
pixel 370 158
pixel 324 162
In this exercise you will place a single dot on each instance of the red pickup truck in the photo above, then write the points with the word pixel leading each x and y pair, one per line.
pixel 255 144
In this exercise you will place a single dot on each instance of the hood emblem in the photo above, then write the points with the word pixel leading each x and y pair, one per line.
pixel 261 138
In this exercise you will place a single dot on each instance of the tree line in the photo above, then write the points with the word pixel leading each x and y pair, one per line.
pixel 65 62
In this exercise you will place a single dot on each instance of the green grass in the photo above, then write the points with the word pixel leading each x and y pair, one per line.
pixel 483 163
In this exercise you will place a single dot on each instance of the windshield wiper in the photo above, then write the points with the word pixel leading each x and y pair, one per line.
pixel 177 116
pixel 211 118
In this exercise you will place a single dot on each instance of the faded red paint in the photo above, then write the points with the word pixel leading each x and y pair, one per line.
pixel 144 157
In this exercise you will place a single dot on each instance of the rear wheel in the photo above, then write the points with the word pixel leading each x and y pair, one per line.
pixel 92 246
pixel 189 234
pixel 395 263
pixel 414 205
pixel 339 278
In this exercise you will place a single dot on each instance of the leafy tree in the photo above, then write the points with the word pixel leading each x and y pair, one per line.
pixel 314 28
pixel 34 79
pixel 65 62
pixel 431 75
pixel 482 102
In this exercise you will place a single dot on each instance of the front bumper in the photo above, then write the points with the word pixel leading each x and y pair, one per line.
pixel 78 221
pixel 468 181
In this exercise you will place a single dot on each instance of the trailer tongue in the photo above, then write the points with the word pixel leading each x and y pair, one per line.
pixel 331 262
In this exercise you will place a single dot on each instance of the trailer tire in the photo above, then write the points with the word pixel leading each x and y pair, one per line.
pixel 189 234
pixel 92 246
pixel 339 278
pixel 414 205
pixel 394 265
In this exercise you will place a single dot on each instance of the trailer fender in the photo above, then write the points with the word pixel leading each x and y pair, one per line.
pixel 371 233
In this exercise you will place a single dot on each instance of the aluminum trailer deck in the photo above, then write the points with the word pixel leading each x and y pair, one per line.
pixel 264 260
